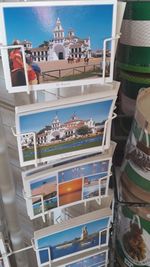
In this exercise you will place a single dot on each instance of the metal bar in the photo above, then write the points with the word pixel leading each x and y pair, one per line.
pixel 42 201
pixel 105 129
pixel 7 189
pixel 113 39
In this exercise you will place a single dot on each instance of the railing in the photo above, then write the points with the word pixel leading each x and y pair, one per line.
pixel 59 73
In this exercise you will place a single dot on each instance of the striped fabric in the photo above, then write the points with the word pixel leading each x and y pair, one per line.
pixel 132 58
pixel 132 82
pixel 135 33
pixel 134 48
pixel 136 178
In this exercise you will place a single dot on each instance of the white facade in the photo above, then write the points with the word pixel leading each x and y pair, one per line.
pixel 60 131
pixel 62 47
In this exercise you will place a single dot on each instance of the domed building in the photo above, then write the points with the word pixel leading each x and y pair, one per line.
pixel 61 46
pixel 61 131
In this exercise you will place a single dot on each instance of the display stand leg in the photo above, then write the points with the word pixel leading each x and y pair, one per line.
pixel 35 96
pixel 85 207
pixel 50 218
pixel 7 189
pixel 58 93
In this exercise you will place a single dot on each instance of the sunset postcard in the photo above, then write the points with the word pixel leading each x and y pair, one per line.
pixel 63 42
pixel 70 192
pixel 73 240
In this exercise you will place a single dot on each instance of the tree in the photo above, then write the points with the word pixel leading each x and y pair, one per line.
pixel 45 43
pixel 83 130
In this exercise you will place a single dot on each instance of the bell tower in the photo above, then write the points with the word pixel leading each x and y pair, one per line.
pixel 58 32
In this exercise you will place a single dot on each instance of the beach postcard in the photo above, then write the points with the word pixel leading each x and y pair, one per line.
pixel 4 262
pixel 72 241
pixel 66 185
pixel 70 127
pixel 96 260
pixel 62 42
pixel 47 187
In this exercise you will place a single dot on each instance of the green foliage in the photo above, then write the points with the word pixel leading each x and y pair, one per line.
pixel 83 130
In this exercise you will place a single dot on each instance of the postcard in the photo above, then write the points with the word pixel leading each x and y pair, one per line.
pixel 4 262
pixel 99 259
pixel 67 184
pixel 63 43
pixel 64 128
pixel 80 234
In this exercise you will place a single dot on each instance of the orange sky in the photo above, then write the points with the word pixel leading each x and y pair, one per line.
pixel 70 187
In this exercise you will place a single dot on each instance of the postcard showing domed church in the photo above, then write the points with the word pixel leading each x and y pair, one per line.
pixel 57 44
pixel 63 128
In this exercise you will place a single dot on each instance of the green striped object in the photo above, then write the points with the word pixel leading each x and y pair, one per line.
pixel 127 251
pixel 137 179
pixel 135 59
pixel 134 48
pixel 127 212
pixel 131 83
pixel 136 129
pixel 137 10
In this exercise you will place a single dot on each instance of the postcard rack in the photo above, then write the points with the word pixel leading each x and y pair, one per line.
pixel 106 78
pixel 5 256
pixel 29 88
pixel 102 246
pixel 50 212
pixel 50 261
pixel 10 253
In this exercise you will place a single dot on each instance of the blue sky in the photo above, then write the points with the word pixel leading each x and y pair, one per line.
pixel 35 122
pixel 96 177
pixel 39 183
pixel 80 171
pixel 37 23
pixel 72 233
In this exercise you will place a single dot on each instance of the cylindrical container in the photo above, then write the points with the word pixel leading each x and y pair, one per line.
pixel 138 145
pixel 142 114
pixel 125 123
pixel 131 83
pixel 128 197
pixel 127 105
pixel 134 48
pixel 133 234
pixel 136 181
pixel 133 237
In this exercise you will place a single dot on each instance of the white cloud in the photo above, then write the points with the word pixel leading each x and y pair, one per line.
pixel 45 16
